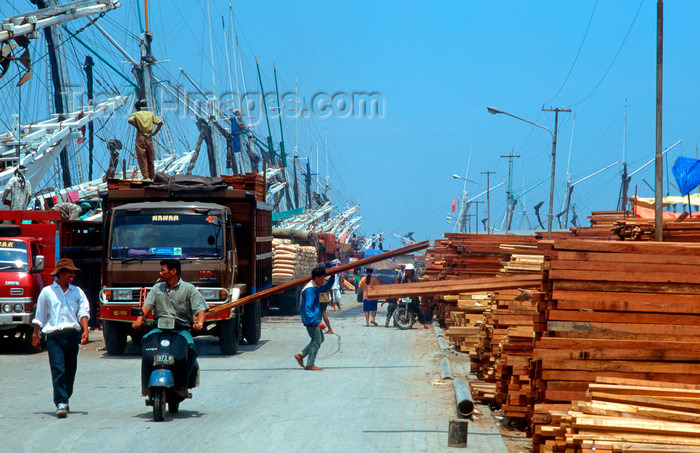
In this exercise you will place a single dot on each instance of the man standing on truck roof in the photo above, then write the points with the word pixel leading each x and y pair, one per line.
pixel 311 316
pixel 62 313
pixel 143 120
pixel 175 298
pixel 19 189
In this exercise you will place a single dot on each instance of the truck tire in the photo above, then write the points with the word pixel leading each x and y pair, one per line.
pixel 27 342
pixel 252 314
pixel 229 335
pixel 115 337
pixel 289 302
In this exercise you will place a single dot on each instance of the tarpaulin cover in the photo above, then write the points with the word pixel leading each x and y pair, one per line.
pixel 687 174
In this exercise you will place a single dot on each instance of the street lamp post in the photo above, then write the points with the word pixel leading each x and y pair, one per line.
pixel 495 111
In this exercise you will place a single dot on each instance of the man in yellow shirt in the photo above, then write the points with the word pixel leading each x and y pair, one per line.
pixel 143 120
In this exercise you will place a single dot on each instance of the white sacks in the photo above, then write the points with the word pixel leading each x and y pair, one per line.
pixel 292 260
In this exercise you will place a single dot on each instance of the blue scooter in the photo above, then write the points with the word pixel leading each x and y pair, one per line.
pixel 166 361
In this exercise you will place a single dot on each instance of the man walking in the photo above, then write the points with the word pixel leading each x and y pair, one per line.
pixel 143 120
pixel 311 316
pixel 62 314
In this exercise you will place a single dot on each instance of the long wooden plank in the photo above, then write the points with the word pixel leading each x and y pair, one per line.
pixel 594 343
pixel 655 355
pixel 434 288
pixel 590 376
pixel 629 318
pixel 622 366
pixel 622 327
pixel 663 403
pixel 692 259
pixel 589 295
pixel 638 425
pixel 659 248
pixel 641 277
pixel 617 306
pixel 627 287
pixel 645 270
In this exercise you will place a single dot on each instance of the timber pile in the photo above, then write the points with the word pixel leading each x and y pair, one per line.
pixel 484 392
pixel 291 260
pixel 504 353
pixel 250 182
pixel 520 259
pixel 626 415
pixel 604 225
pixel 616 309
pixel 465 319
pixel 463 255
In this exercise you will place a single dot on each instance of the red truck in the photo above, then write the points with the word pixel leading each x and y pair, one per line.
pixel 30 244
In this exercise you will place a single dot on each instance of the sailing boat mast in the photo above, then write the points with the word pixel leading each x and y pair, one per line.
pixel 52 35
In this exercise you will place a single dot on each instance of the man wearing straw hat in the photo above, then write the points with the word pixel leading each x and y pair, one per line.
pixel 62 314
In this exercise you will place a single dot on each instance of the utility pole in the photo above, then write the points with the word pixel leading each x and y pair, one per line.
pixel 488 198
pixel 476 223
pixel 550 216
pixel 509 206
pixel 659 173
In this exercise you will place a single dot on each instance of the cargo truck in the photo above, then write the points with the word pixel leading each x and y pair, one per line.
pixel 222 237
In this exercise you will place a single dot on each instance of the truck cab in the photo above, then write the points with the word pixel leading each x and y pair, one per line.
pixel 21 267
pixel 143 227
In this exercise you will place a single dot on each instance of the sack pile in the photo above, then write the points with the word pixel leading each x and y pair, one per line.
pixel 292 260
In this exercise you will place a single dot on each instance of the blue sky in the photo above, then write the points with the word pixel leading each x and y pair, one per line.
pixel 437 67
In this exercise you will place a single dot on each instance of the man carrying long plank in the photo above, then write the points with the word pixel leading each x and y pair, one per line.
pixel 311 316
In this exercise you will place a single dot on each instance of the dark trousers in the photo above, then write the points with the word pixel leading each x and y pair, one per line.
pixel 415 307
pixel 390 309
pixel 62 347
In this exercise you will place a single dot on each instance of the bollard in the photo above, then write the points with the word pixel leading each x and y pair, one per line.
pixel 445 369
pixel 457 433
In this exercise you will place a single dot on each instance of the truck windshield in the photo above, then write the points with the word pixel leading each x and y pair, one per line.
pixel 13 256
pixel 155 234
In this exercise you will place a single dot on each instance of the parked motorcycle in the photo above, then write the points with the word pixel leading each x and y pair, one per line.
pixel 166 359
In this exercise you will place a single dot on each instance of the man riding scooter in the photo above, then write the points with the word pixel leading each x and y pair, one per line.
pixel 176 299
pixel 409 277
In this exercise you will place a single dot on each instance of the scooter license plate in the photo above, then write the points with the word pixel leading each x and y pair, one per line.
pixel 163 359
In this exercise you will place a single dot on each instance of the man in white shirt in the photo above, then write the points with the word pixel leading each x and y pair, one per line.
pixel 62 314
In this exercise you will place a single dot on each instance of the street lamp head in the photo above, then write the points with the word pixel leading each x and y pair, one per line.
pixel 456 177
pixel 494 111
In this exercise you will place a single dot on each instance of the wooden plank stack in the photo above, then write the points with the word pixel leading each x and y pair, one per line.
pixel 464 321
pixel 626 415
pixel 619 310
pixel 462 255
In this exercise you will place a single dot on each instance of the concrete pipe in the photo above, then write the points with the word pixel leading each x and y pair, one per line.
pixel 445 368
pixel 463 396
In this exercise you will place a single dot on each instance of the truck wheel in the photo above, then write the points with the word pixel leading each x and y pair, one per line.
pixel 229 336
pixel 115 337
pixel 289 302
pixel 251 322
pixel 27 342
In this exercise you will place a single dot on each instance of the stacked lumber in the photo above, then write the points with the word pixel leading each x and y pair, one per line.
pixel 603 225
pixel 462 255
pixel 626 415
pixel 518 259
pixel 512 340
pixel 292 261
pixel 465 319
pixel 483 392
pixel 250 182
pixel 616 309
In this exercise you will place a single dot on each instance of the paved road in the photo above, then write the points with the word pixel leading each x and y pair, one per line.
pixel 380 390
